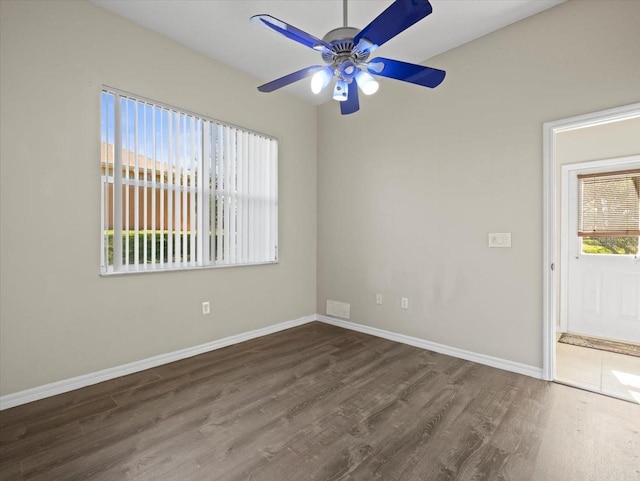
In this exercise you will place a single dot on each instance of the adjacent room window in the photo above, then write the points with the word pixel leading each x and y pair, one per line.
pixel 183 191
pixel 609 212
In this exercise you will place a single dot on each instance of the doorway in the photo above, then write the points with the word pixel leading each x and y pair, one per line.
pixel 555 314
pixel 599 330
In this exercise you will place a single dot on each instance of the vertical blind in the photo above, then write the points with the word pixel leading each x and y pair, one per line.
pixel 181 190
pixel 609 204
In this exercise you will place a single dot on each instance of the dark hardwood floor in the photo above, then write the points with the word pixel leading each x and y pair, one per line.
pixel 322 403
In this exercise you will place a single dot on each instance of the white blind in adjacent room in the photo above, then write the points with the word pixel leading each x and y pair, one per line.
pixel 609 204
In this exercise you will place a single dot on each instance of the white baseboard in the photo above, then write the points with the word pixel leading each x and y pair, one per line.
pixel 497 362
pixel 10 400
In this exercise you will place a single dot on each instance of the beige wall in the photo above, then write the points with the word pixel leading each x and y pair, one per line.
pixel 608 141
pixel 58 317
pixel 409 187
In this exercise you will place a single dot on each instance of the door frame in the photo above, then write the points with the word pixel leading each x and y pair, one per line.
pixel 618 163
pixel 550 291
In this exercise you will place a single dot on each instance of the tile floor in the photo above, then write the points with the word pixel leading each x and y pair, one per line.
pixel 609 373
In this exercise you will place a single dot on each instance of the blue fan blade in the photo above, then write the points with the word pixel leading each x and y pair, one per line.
pixel 289 79
pixel 407 72
pixel 291 32
pixel 399 16
pixel 352 103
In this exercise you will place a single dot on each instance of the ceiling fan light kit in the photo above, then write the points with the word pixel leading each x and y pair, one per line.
pixel 367 83
pixel 341 90
pixel 346 50
pixel 321 79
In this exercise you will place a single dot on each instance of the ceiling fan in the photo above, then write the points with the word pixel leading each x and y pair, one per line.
pixel 346 50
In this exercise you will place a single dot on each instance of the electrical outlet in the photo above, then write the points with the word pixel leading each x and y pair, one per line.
pixel 404 303
pixel 206 308
pixel 379 299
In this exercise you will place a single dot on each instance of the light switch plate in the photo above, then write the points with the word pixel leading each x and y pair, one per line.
pixel 500 239
pixel 206 308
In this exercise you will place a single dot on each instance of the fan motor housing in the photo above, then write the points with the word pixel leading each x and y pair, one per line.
pixel 342 46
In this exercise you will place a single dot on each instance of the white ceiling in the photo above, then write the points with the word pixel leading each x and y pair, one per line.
pixel 221 29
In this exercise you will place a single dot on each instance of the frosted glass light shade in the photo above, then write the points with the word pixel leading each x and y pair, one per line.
pixel 320 80
pixel 367 83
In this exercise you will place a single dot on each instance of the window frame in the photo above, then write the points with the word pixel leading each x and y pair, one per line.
pixel 598 176
pixel 213 192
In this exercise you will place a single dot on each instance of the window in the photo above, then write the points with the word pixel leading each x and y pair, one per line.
pixel 609 212
pixel 188 191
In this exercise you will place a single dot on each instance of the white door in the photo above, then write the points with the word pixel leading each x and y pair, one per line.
pixel 603 292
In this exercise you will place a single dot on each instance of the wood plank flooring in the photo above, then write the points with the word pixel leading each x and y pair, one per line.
pixel 321 403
